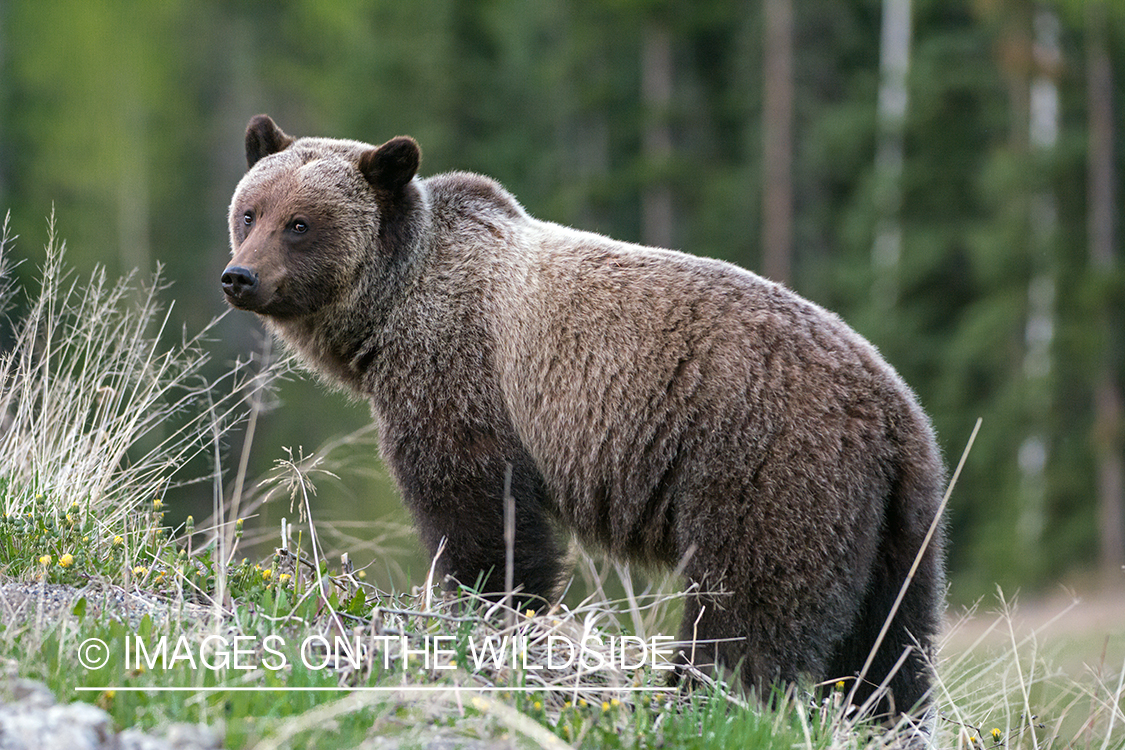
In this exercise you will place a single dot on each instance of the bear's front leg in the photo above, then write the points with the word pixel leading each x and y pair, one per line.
pixel 462 502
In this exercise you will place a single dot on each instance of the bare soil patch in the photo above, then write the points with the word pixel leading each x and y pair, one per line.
pixel 1075 632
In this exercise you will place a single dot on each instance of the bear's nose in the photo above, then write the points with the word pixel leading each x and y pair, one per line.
pixel 238 281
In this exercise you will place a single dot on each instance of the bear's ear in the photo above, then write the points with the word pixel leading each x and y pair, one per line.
pixel 264 137
pixel 391 165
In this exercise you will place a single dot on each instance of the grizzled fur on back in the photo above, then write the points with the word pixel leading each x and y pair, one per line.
pixel 669 409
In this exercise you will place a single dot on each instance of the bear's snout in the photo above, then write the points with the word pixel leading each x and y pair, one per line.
pixel 239 284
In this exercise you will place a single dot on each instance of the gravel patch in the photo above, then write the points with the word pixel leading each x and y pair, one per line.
pixel 24 603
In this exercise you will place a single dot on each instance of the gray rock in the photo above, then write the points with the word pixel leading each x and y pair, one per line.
pixel 75 726
pixel 30 719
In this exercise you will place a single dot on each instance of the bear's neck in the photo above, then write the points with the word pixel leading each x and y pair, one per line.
pixel 343 343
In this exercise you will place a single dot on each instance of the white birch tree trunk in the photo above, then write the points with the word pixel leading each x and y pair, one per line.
pixel 1039 334
pixel 894 67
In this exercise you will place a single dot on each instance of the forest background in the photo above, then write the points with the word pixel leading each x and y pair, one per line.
pixel 945 174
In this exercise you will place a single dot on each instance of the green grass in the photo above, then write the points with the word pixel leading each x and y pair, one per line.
pixel 100 416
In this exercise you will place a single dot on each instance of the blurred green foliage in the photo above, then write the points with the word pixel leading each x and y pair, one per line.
pixel 125 119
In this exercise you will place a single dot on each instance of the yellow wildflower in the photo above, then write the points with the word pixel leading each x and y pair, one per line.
pixel 66 560
pixel 45 560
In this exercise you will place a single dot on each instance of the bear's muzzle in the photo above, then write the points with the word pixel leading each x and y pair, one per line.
pixel 240 284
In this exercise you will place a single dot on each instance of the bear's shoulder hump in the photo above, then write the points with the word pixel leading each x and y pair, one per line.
pixel 476 192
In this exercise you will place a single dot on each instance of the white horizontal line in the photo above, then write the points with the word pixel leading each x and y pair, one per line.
pixel 367 689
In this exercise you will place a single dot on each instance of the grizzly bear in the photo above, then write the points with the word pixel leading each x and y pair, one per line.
pixel 674 411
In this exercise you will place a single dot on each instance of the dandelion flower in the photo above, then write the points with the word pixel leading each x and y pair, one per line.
pixel 45 560
pixel 66 560
pixel 140 570
pixel 118 540
pixel 267 574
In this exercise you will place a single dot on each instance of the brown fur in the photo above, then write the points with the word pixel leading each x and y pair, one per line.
pixel 664 407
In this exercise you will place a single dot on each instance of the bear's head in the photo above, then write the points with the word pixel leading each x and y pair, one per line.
pixel 309 215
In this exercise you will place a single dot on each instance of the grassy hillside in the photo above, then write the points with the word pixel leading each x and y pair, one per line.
pixel 104 603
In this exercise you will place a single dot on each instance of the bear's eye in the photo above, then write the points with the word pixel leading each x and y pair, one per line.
pixel 299 227
pixel 248 218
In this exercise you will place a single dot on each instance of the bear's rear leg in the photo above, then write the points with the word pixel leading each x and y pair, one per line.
pixel 721 633
pixel 911 632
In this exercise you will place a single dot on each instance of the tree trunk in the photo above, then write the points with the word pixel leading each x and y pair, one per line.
pixel 133 209
pixel 894 65
pixel 1101 205
pixel 4 98
pixel 777 142
pixel 656 92
pixel 1042 137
